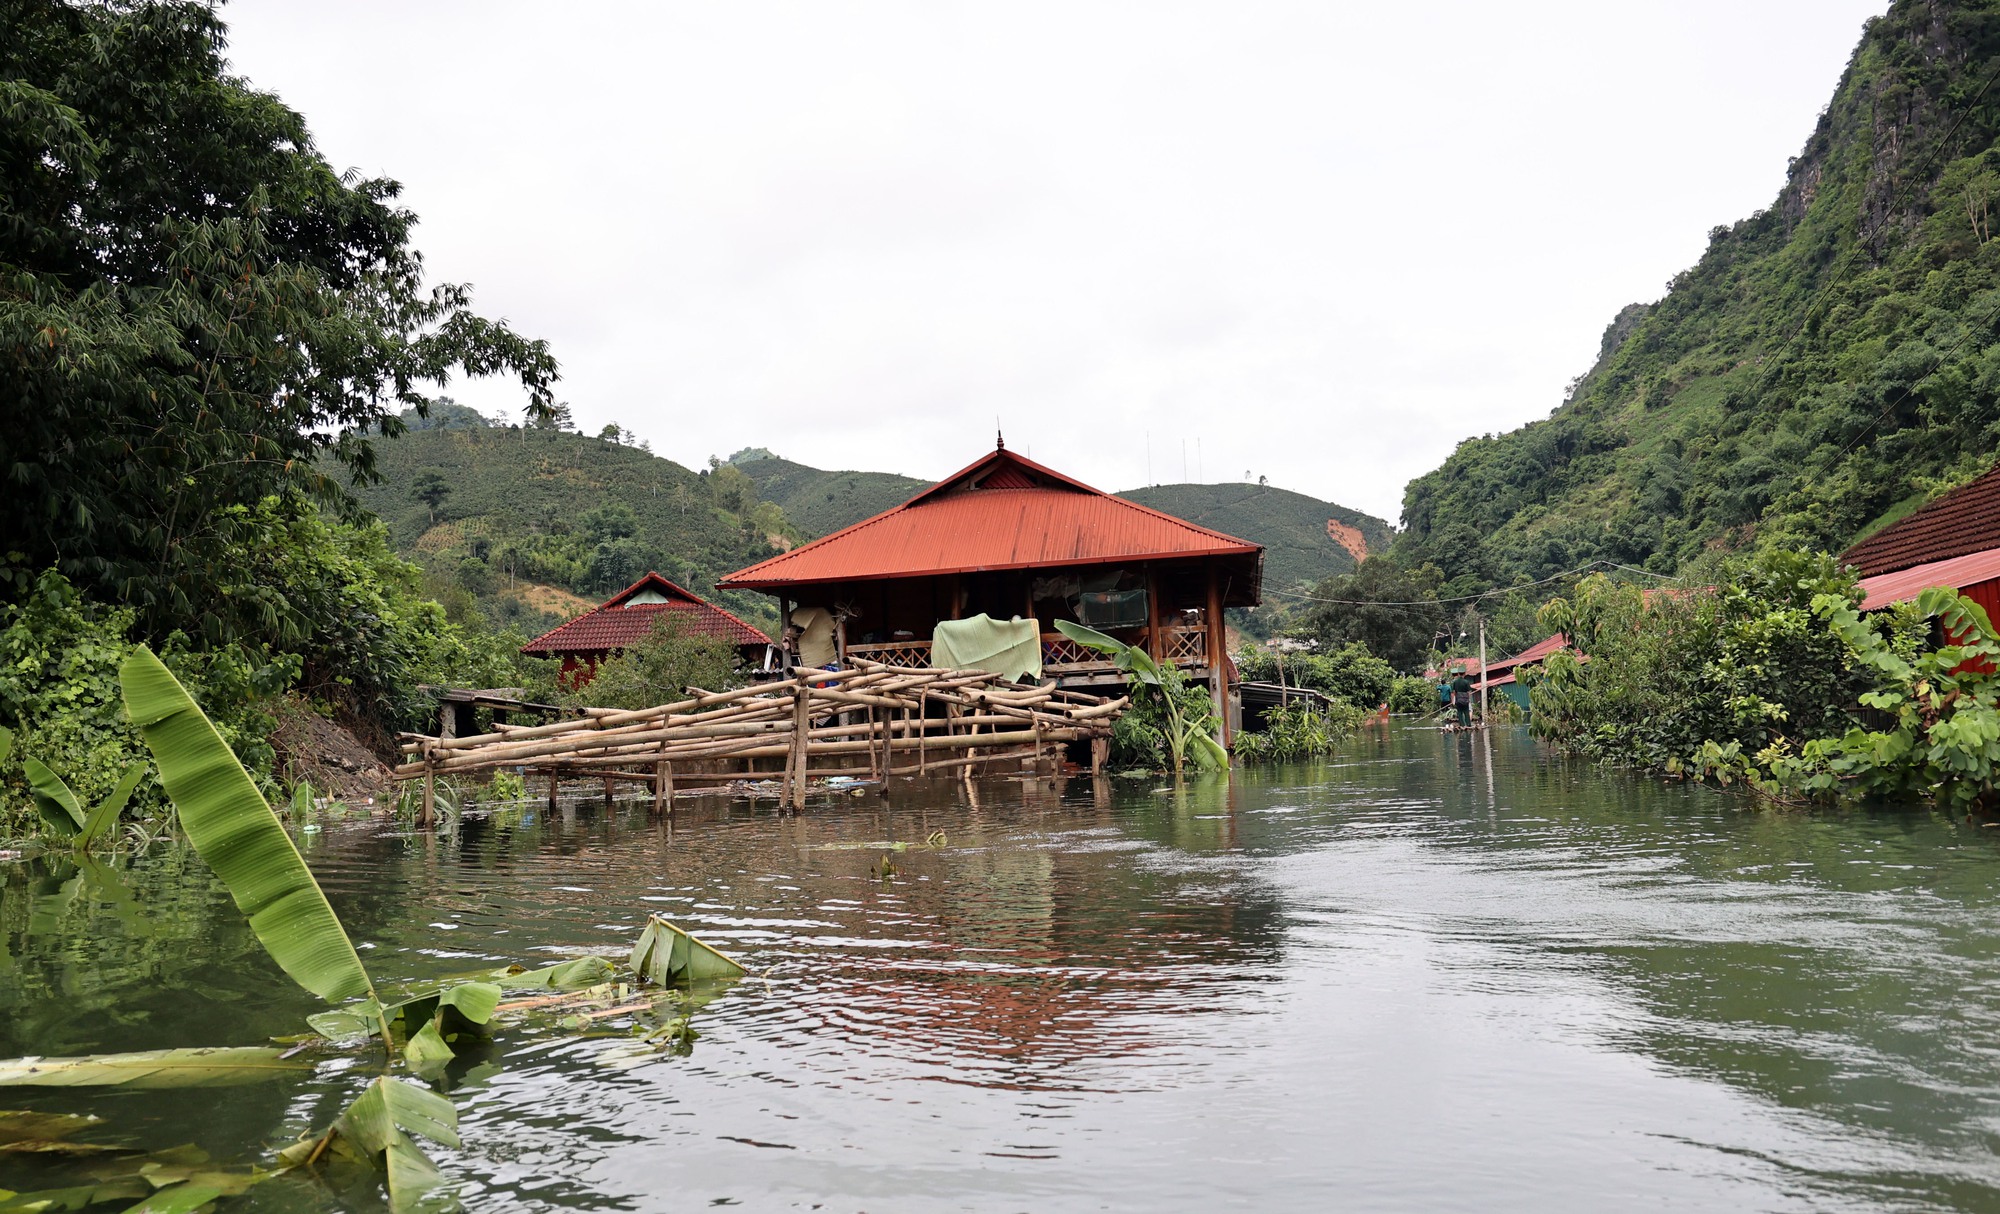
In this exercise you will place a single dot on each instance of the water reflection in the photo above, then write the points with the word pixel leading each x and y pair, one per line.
pixel 1445 971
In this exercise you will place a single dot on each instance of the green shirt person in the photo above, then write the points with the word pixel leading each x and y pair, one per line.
pixel 1461 699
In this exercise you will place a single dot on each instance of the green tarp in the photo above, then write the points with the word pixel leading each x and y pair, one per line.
pixel 1011 649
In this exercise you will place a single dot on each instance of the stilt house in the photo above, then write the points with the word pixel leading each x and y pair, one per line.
pixel 627 617
pixel 1009 538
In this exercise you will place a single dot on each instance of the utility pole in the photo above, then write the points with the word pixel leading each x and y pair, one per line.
pixel 1482 671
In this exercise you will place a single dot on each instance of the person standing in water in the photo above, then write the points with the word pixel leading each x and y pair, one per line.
pixel 1461 699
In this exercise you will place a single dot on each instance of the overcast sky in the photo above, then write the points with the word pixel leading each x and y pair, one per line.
pixel 1318 242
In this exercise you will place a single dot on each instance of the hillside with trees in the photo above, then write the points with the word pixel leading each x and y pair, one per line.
pixel 818 502
pixel 497 513
pixel 1829 363
pixel 1299 551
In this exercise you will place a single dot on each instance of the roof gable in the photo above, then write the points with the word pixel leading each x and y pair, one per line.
pixel 1962 522
pixel 627 618
pixel 1002 511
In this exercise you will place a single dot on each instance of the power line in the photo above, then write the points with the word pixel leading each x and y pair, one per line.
pixel 1585 569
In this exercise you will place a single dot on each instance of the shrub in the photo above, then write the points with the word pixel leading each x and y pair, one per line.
pixel 655 670
pixel 1412 695
pixel 1350 673
pixel 1299 731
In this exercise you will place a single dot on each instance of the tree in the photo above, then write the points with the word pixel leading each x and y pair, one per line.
pixel 431 489
pixel 655 670
pixel 611 433
pixel 556 417
pixel 1391 610
pixel 197 312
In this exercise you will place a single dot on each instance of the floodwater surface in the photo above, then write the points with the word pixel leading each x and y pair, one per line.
pixel 1440 973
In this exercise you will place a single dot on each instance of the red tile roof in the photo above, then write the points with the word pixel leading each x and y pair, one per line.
pixel 1001 512
pixel 1902 585
pixel 1532 654
pixel 618 624
pixel 1962 522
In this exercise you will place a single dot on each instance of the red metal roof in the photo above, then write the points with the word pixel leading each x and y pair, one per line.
pixel 1001 512
pixel 1962 522
pixel 618 623
pixel 1902 585
pixel 1532 654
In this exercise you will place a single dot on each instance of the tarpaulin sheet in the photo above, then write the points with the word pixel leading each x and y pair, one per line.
pixel 1011 649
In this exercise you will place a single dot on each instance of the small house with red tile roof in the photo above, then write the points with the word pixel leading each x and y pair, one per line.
pixel 1012 539
pixel 1503 676
pixel 1953 541
pixel 627 618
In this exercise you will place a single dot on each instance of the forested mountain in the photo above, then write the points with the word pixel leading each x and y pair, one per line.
pixel 821 503
pixel 1299 549
pixel 1830 360
pixel 492 507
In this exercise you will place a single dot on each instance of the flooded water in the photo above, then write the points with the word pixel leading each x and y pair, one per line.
pixel 1443 973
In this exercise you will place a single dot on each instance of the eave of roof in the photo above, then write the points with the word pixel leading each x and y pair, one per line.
pixel 1902 585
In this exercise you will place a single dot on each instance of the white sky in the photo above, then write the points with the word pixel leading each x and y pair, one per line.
pixel 1325 240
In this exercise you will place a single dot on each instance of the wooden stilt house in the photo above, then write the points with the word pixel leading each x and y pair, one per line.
pixel 1009 538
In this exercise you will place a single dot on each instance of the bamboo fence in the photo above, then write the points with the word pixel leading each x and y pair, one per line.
pixel 882 720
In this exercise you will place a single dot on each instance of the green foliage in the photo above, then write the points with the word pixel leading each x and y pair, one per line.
pixel 1170 720
pixel 59 658
pixel 233 828
pixel 1391 611
pixel 1350 673
pixel 1748 664
pixel 1294 732
pixel 1412 695
pixel 655 670
pixel 194 307
pixel 1827 360
pixel 820 503
pixel 1941 738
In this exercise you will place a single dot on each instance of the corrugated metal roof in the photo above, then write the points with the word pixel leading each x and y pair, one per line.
pixel 1902 585
pixel 1961 523
pixel 617 624
pixel 1001 512
pixel 1532 654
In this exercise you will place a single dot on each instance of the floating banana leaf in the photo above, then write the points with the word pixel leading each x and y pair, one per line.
pixel 22 1125
pixel 377 1127
pixel 573 974
pixel 178 1199
pixel 58 805
pixel 49 1201
pixel 234 830
pixel 152 1069
pixel 667 956
pixel 105 816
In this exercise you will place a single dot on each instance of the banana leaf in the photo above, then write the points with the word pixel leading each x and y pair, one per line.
pixel 105 816
pixel 58 805
pixel 227 1067
pixel 22 1125
pixel 80 1197
pixel 377 1127
pixel 234 830
pixel 667 956
pixel 6 743
pixel 573 974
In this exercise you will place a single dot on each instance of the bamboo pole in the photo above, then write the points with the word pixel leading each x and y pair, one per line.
pixel 801 726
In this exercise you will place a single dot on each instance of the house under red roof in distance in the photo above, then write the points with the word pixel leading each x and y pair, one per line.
pixel 1008 537
pixel 627 617
pixel 1953 541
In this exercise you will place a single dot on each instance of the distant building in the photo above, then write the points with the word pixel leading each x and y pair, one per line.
pixel 1953 541
pixel 627 617
pixel 1008 538
pixel 1503 676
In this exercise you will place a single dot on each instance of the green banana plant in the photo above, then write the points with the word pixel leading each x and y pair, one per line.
pixel 62 810
pixel 233 829
pixel 1187 733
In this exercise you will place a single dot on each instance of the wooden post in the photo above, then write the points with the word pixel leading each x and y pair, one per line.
pixel 1100 755
pixel 801 729
pixel 923 730
pixel 607 791
pixel 1152 614
pixel 874 759
pixel 1218 656
pixel 555 782
pixel 430 800
pixel 663 788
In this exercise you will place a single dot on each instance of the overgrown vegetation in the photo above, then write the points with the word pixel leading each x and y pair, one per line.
pixel 1829 360
pixel 1171 720
pixel 1350 673
pixel 1295 732
pixel 656 669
